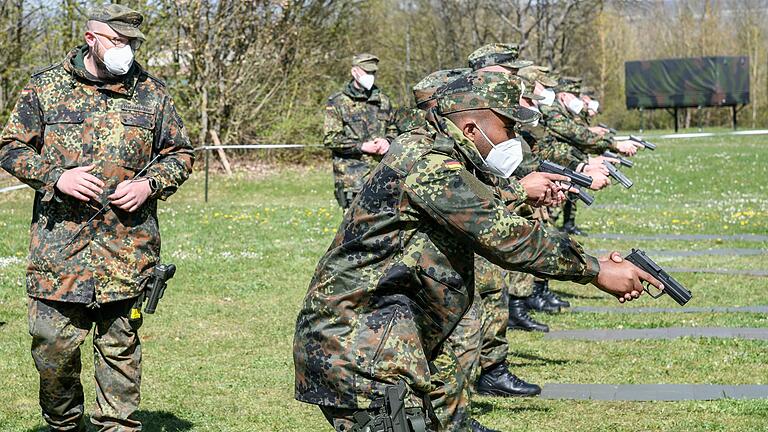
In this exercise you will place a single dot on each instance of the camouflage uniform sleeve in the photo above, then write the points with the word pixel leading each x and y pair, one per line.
pixel 558 152
pixel 21 143
pixel 174 166
pixel 334 136
pixel 463 205
pixel 511 192
pixel 576 134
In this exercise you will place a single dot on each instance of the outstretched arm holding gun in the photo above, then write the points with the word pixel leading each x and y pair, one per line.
pixel 577 179
pixel 618 175
pixel 606 127
pixel 622 160
pixel 642 143
pixel 672 287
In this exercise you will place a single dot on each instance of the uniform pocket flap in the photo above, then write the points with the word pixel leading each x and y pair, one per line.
pixel 138 119
pixel 55 117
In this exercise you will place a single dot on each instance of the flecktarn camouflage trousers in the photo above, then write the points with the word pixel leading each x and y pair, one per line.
pixel 58 330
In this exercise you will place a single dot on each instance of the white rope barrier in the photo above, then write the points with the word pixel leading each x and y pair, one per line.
pixel 700 134
pixel 12 188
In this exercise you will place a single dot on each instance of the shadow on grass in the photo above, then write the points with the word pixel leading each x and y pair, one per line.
pixel 2 323
pixel 162 421
pixel 480 407
pixel 152 421
pixel 576 296
pixel 536 360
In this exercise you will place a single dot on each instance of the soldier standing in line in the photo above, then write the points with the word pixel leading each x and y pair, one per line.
pixel 399 275
pixel 358 129
pixel 558 118
pixel 412 118
pixel 80 132
pixel 504 294
pixel 461 353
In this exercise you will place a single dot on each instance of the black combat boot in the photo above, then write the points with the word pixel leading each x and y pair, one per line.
pixel 475 426
pixel 497 380
pixel 552 298
pixel 519 318
pixel 537 302
pixel 569 218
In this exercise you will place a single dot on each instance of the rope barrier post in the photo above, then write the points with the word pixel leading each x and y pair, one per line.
pixel 207 152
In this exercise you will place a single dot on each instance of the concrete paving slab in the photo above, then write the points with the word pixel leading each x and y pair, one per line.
pixel 680 237
pixel 696 253
pixel 653 392
pixel 647 310
pixel 660 333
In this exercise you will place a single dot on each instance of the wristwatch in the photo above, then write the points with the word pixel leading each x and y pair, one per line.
pixel 154 186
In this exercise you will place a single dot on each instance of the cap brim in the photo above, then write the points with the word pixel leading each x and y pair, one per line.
pixel 517 64
pixel 369 67
pixel 127 30
pixel 532 96
pixel 518 114
pixel 546 82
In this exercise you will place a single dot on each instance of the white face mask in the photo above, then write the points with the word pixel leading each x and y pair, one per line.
pixel 366 80
pixel 536 122
pixel 549 97
pixel 593 105
pixel 575 105
pixel 118 61
pixel 504 157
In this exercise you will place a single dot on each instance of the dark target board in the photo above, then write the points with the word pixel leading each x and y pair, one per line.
pixel 687 83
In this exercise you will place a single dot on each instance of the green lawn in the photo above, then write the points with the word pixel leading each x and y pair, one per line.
pixel 218 352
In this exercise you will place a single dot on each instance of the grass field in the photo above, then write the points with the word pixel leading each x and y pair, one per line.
pixel 217 355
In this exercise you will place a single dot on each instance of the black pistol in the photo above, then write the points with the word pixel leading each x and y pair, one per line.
pixel 605 126
pixel 162 274
pixel 644 143
pixel 154 290
pixel 622 160
pixel 672 287
pixel 618 175
pixel 577 179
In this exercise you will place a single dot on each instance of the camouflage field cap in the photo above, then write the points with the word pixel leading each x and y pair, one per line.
pixel 121 19
pixel 497 91
pixel 367 62
pixel 497 54
pixel 425 89
pixel 588 91
pixel 569 85
pixel 537 73
pixel 527 88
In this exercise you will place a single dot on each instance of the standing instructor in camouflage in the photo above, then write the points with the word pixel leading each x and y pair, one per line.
pixel 81 130
pixel 359 126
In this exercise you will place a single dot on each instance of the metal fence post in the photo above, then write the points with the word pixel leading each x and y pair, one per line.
pixel 206 173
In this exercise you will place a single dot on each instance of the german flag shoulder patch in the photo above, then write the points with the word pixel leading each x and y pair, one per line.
pixel 453 165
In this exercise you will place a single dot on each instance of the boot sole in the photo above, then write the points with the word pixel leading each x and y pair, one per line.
pixel 553 311
pixel 528 329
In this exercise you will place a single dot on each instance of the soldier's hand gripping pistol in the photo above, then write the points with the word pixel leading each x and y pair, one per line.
pixel 578 179
pixel 608 128
pixel 622 160
pixel 642 142
pixel 618 175
pixel 672 287
pixel 154 290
